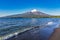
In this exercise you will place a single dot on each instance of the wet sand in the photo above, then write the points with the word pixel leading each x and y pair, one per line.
pixel 55 35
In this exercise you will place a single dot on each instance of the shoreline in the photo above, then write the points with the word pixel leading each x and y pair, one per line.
pixel 55 35
pixel 22 34
pixel 16 33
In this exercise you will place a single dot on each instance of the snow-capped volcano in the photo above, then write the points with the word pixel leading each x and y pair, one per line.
pixel 37 12
pixel 32 13
pixel 34 10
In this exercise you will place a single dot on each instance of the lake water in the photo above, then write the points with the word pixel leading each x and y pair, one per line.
pixel 8 25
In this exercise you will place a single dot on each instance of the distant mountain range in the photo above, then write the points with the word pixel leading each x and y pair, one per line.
pixel 32 13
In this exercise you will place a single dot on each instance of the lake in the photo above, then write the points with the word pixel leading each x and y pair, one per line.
pixel 9 25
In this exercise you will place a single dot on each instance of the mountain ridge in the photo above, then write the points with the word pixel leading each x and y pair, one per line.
pixel 32 13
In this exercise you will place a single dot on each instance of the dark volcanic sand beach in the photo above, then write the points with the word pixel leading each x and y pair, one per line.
pixel 55 35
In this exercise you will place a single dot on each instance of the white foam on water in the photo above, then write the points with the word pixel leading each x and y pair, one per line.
pixel 6 37
pixel 16 33
pixel 50 23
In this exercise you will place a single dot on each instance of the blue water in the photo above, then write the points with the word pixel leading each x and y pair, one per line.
pixel 9 22
pixel 12 24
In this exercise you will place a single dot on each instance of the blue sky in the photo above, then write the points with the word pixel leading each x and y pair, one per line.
pixel 10 7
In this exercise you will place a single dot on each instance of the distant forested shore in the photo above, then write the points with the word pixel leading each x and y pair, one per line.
pixel 32 17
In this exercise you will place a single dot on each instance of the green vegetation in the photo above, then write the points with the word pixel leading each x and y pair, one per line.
pixel 38 17
pixel 42 17
pixel 54 16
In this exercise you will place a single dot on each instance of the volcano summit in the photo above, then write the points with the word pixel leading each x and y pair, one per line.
pixel 30 14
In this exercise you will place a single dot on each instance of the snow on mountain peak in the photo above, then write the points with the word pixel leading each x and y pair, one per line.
pixel 34 10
